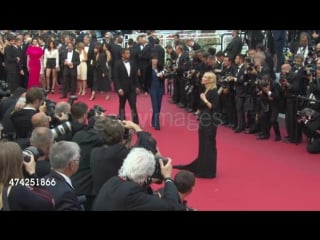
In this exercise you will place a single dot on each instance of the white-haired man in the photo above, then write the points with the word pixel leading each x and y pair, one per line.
pixel 64 158
pixel 128 191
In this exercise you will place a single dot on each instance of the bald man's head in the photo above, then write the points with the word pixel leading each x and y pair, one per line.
pixel 40 119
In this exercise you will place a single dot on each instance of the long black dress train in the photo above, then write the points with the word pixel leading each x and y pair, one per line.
pixel 205 165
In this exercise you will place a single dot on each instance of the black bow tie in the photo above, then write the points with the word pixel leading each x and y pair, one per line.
pixel 125 61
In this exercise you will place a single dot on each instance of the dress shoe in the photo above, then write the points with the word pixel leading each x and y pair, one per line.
pixel 157 128
pixel 263 137
pixel 180 105
pixel 277 138
pixel 287 140
pixel 238 130
pixel 64 96
pixel 230 125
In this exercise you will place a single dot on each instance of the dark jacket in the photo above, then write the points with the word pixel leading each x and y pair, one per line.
pixel 105 163
pixel 23 198
pixel 149 76
pixel 64 194
pixel 119 194
pixel 82 179
pixel 121 78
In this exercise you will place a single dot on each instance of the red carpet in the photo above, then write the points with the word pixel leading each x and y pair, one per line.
pixel 252 174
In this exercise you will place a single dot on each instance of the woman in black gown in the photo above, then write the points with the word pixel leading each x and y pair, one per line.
pixel 205 165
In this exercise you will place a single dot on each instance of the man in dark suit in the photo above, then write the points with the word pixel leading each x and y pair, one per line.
pixel 241 92
pixel 158 51
pixel 70 60
pixel 64 158
pixel 12 60
pixel 235 46
pixel 126 85
pixel 144 50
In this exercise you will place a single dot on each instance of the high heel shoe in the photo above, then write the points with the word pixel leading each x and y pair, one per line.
pixel 83 93
pixel 107 97
pixel 92 98
pixel 80 92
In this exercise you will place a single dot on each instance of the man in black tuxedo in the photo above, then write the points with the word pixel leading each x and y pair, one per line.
pixel 64 158
pixel 126 84
pixel 70 60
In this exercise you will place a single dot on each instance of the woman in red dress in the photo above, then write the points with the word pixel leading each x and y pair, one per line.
pixel 34 54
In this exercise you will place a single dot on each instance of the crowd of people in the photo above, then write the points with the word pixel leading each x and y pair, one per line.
pixel 69 157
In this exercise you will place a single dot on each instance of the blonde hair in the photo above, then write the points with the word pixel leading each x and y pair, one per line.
pixel 212 80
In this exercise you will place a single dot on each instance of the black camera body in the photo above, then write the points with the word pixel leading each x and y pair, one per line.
pixel 72 98
pixel 50 107
pixel 96 110
pixel 27 152
pixel 157 172
pixel 126 133
pixel 4 91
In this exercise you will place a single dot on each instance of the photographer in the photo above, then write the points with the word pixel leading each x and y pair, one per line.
pixel 313 91
pixel 40 119
pixel 309 120
pixel 184 181
pixel 79 111
pixel 64 158
pixel 17 193
pixel 62 113
pixel 105 161
pixel 269 110
pixel 293 84
pixel 87 139
pixel 7 106
pixel 226 92
pixel 128 191
pixel 22 118
pixel 42 138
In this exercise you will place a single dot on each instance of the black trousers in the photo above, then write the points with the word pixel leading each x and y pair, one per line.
pixel 132 99
pixel 240 112
pixel 313 145
pixel 179 93
pixel 293 128
pixel 69 81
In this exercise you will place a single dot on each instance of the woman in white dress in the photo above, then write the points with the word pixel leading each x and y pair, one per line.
pixel 82 68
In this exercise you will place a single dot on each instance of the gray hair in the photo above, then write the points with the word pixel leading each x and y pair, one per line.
pixel 62 153
pixel 62 107
pixel 138 165
pixel 41 136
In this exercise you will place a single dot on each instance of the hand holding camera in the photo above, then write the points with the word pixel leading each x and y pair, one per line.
pixel 30 156
pixel 166 169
